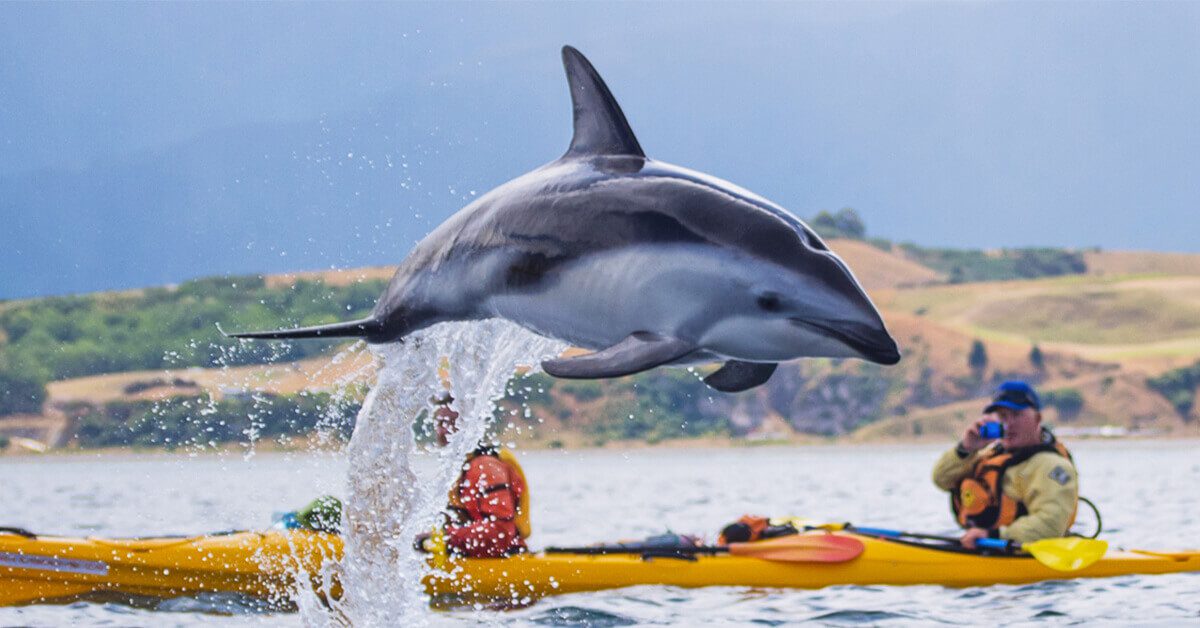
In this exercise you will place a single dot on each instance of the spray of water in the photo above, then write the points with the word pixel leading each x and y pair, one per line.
pixel 393 494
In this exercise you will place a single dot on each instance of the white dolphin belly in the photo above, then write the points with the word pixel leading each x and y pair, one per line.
pixel 689 292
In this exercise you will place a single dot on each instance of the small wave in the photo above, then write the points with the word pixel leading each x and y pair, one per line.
pixel 1048 585
pixel 857 617
pixel 580 616
pixel 217 604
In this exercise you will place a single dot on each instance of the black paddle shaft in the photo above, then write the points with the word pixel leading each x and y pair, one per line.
pixel 599 550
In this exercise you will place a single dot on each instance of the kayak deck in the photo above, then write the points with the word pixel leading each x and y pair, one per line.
pixel 270 565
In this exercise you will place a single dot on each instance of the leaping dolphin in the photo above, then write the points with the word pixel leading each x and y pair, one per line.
pixel 646 263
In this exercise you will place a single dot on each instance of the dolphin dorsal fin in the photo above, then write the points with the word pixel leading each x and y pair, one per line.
pixel 600 127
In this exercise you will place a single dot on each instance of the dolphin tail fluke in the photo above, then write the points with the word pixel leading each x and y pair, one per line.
pixel 737 376
pixel 363 328
pixel 638 352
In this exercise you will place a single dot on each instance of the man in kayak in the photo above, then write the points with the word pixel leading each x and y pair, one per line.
pixel 1009 477
pixel 489 502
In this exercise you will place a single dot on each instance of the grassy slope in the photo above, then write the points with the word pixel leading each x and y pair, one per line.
pixel 1141 262
pixel 1150 323
pixel 877 269
pixel 317 374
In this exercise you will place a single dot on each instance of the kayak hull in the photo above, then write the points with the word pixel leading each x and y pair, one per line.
pixel 273 565
pixel 268 566
pixel 537 575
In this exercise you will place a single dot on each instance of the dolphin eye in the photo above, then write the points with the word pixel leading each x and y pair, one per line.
pixel 769 302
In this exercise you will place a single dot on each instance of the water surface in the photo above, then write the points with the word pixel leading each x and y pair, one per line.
pixel 1149 493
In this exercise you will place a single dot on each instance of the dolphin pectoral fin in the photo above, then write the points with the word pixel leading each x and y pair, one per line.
pixel 737 376
pixel 600 126
pixel 638 352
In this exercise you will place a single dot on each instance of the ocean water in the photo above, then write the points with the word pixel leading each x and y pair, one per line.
pixel 1148 492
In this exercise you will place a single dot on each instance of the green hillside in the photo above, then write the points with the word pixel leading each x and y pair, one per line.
pixel 59 338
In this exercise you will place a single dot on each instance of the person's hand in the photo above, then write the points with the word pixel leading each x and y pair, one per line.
pixel 971 440
pixel 419 542
pixel 970 536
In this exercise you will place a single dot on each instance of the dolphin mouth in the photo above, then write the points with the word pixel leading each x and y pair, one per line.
pixel 873 343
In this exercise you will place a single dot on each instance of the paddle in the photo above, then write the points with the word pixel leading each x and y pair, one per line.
pixel 802 548
pixel 1063 554
pixel 796 548
pixel 1060 554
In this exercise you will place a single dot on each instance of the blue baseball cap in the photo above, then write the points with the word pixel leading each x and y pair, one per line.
pixel 1015 395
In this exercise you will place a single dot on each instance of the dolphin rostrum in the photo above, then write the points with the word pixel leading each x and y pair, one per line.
pixel 644 262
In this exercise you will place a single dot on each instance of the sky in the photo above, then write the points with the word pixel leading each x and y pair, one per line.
pixel 148 143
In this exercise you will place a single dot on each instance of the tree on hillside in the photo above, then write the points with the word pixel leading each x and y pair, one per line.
pixel 1068 402
pixel 21 393
pixel 1179 387
pixel 846 223
pixel 1037 359
pixel 977 359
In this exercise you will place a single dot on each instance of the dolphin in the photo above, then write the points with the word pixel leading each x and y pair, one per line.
pixel 645 263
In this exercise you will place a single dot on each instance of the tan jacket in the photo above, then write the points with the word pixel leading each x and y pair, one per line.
pixel 1047 484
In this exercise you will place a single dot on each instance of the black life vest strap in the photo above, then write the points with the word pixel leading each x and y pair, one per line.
pixel 1049 443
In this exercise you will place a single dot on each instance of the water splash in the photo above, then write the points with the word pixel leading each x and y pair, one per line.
pixel 392 494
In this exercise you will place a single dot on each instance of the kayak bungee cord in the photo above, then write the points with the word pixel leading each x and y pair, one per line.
pixel 799 548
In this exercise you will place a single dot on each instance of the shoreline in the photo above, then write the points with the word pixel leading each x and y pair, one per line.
pixel 702 443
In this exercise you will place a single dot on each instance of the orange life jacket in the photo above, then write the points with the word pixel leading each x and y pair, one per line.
pixel 979 500
pixel 491 501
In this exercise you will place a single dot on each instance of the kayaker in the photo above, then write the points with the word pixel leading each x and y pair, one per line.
pixel 488 508
pixel 1009 477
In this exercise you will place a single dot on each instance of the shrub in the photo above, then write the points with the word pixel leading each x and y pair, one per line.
pixel 1068 402
pixel 1178 387
pixel 1036 359
pixel 977 359
pixel 201 421
pixel 583 390
pixel 21 392
pixel 966 265
pixel 845 223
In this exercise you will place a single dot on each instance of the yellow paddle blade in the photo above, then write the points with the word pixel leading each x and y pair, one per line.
pixel 1067 554
pixel 802 548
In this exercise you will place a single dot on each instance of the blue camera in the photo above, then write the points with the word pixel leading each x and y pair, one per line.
pixel 991 430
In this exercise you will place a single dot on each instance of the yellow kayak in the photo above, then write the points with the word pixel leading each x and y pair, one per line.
pixel 268 565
